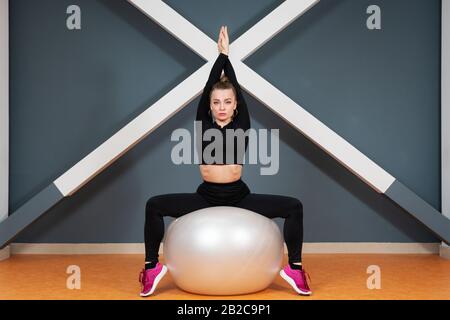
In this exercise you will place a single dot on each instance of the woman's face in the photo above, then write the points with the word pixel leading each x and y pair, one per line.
pixel 222 104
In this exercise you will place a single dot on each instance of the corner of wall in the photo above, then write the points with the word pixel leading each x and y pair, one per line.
pixel 5 253
pixel 444 251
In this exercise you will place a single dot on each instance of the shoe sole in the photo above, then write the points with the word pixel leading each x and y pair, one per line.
pixel 293 285
pixel 155 283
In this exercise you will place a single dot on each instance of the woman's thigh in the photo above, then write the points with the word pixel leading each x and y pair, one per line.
pixel 177 204
pixel 271 206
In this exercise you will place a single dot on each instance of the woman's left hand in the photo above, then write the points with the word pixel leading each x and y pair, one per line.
pixel 224 40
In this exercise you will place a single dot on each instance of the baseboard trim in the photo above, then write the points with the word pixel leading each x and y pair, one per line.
pixel 444 251
pixel 78 248
pixel 308 248
pixel 5 253
pixel 371 247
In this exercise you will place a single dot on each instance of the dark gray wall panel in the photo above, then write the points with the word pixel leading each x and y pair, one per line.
pixel 71 90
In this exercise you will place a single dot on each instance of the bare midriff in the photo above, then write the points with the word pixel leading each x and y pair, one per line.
pixel 224 173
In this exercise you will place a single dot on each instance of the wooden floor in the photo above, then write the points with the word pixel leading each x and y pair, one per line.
pixel 336 276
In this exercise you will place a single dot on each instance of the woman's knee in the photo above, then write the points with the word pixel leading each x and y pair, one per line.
pixel 298 205
pixel 152 205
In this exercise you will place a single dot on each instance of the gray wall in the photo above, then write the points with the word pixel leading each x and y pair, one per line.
pixel 445 106
pixel 71 90
pixel 445 109
pixel 4 110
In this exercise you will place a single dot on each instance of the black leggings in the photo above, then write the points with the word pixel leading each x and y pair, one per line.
pixel 179 204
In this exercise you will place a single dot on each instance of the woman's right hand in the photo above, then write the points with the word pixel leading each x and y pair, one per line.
pixel 223 42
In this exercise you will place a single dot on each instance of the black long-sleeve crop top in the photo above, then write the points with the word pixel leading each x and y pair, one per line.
pixel 229 155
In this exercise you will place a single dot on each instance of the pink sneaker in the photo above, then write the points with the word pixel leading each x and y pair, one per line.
pixel 150 278
pixel 297 279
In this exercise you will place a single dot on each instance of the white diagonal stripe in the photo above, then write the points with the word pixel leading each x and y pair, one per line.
pixel 269 27
pixel 190 88
pixel 178 26
pixel 311 127
pixel 132 133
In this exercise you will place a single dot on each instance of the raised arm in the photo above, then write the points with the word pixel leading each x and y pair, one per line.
pixel 223 63
pixel 214 76
pixel 243 117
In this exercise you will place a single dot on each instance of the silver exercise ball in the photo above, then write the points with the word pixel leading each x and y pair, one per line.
pixel 223 250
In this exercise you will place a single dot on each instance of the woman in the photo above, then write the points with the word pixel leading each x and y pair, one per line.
pixel 222 106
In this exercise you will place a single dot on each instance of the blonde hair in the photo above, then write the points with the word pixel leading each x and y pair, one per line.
pixel 223 84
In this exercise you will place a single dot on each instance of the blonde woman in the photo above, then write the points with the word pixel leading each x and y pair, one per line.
pixel 222 106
